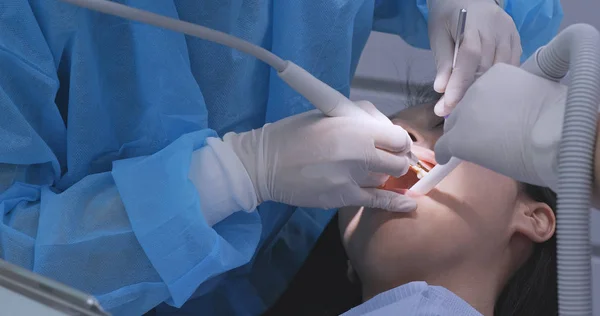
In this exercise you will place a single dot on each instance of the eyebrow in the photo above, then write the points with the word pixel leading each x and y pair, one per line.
pixel 419 93
pixel 416 94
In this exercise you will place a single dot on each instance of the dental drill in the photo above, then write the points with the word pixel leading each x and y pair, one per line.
pixel 439 172
pixel 326 99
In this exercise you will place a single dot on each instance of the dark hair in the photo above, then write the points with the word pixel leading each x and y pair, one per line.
pixel 322 286
pixel 419 93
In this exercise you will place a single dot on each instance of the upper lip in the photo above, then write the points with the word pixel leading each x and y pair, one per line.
pixel 425 155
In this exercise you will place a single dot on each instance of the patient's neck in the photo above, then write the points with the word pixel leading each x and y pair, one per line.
pixel 478 285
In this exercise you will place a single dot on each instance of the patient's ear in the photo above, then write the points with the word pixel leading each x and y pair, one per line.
pixel 533 219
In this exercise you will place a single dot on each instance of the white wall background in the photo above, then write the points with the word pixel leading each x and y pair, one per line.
pixel 387 61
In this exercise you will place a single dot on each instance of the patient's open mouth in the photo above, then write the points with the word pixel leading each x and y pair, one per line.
pixel 405 182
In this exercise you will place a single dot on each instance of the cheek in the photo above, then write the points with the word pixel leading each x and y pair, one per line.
pixel 382 244
pixel 466 215
pixel 483 195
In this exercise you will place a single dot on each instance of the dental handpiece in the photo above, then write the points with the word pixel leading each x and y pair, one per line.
pixel 439 172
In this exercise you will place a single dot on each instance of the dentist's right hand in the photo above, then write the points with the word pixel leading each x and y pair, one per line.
pixel 311 160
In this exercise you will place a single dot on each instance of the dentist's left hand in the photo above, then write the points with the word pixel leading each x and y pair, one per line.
pixel 510 121
pixel 490 37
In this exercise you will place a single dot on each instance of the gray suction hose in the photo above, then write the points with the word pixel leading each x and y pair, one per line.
pixel 577 49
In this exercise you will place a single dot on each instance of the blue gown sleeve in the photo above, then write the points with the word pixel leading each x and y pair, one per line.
pixel 537 21
pixel 133 236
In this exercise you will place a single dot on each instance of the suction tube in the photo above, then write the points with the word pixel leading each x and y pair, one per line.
pixel 576 48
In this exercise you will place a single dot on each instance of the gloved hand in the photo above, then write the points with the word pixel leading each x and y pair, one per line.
pixel 490 37
pixel 311 160
pixel 509 121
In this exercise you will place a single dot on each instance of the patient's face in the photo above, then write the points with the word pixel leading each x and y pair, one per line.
pixel 461 219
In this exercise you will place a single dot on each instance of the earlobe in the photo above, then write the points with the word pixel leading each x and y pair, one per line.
pixel 537 221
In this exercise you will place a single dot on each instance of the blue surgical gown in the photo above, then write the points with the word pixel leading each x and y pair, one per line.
pixel 415 299
pixel 99 117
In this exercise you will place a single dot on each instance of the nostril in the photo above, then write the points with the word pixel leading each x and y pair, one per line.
pixel 412 137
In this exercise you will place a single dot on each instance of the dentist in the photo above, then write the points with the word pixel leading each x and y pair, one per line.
pixel 145 167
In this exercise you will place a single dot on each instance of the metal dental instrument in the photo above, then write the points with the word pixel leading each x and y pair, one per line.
pixel 439 172
pixel 460 33
pixel 417 166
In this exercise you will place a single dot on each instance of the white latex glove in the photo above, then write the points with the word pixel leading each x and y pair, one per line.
pixel 490 37
pixel 311 160
pixel 509 121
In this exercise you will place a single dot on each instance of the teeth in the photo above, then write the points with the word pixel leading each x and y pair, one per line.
pixel 420 165
pixel 420 172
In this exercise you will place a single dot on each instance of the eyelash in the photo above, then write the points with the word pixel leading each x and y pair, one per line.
pixel 440 124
